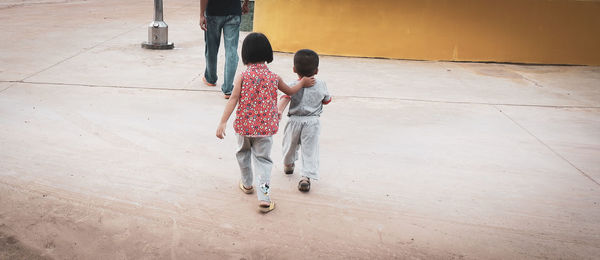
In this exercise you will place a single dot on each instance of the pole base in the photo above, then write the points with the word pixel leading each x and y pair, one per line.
pixel 156 46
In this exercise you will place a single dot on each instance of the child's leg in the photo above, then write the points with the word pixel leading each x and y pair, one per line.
pixel 310 148
pixel 291 141
pixel 261 155
pixel 243 155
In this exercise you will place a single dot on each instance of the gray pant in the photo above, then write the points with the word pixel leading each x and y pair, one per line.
pixel 258 151
pixel 303 131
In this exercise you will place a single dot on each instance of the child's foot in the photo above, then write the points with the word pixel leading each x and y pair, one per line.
pixel 288 169
pixel 245 189
pixel 304 184
pixel 266 206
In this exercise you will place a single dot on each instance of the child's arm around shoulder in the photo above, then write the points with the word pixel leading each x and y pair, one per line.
pixel 302 83
pixel 231 103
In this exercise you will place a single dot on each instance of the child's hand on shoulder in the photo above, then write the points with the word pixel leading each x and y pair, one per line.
pixel 221 130
pixel 307 81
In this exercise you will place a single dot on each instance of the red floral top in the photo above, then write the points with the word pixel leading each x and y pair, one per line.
pixel 256 113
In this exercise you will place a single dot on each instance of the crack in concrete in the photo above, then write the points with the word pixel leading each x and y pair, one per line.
pixel 9 85
pixel 9 5
pixel 530 80
pixel 5 89
pixel 90 48
pixel 111 86
pixel 470 102
pixel 84 50
pixel 337 96
pixel 501 104
pixel 549 148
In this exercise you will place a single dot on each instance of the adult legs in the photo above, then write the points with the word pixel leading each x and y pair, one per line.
pixel 212 40
pixel 231 35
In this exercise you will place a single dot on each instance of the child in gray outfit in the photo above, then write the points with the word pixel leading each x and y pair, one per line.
pixel 304 126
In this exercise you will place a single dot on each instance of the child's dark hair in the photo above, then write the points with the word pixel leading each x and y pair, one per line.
pixel 256 48
pixel 306 62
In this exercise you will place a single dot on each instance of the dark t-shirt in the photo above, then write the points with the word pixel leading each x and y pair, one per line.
pixel 223 7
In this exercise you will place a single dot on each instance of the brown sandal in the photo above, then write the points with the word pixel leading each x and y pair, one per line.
pixel 304 185
pixel 245 190
pixel 288 169
pixel 265 208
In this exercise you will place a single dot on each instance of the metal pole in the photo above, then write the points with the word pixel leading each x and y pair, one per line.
pixel 158 30
pixel 158 10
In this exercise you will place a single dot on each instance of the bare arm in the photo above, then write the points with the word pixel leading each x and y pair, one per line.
pixel 203 4
pixel 303 83
pixel 283 102
pixel 233 100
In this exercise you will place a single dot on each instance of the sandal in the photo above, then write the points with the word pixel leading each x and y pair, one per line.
pixel 245 190
pixel 304 185
pixel 265 208
pixel 288 169
pixel 207 83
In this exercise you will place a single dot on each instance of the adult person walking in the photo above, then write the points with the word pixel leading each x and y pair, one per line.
pixel 218 16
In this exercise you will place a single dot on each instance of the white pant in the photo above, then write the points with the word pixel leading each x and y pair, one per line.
pixel 258 151
pixel 303 131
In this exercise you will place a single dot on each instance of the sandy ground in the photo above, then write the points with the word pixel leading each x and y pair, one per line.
pixel 107 151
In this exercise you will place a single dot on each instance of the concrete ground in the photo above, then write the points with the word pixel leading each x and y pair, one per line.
pixel 108 151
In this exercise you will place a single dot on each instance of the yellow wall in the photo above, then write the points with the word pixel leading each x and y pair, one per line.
pixel 527 31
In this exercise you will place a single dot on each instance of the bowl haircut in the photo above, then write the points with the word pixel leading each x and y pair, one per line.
pixel 256 48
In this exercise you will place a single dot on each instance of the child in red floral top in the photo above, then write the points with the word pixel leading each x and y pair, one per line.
pixel 257 120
